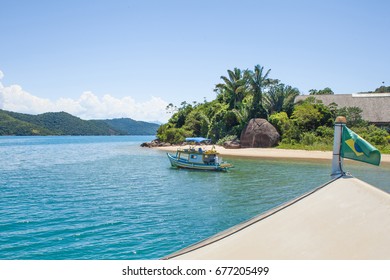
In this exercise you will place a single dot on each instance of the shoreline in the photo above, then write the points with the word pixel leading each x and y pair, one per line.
pixel 272 153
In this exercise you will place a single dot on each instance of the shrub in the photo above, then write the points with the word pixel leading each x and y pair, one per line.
pixel 373 134
pixel 226 138
pixel 309 138
pixel 167 133
pixel 280 121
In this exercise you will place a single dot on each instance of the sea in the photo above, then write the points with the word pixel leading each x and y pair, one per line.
pixel 107 198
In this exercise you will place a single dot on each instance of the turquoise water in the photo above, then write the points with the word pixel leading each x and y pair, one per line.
pixel 108 198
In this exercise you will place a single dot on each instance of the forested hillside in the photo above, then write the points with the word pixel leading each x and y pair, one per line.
pixel 12 126
pixel 62 123
pixel 130 126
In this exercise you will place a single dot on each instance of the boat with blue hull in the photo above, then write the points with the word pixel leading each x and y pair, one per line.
pixel 198 159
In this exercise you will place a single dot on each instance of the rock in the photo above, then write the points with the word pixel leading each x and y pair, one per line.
pixel 234 144
pixel 145 144
pixel 259 133
pixel 164 144
pixel 155 143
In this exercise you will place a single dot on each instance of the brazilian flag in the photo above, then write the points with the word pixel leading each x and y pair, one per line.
pixel 356 148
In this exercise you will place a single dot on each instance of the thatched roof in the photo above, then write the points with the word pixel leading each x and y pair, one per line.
pixel 375 106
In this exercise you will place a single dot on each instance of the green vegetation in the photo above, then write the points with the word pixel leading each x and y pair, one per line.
pixel 247 94
pixel 62 123
pixel 243 95
pixel 13 126
pixel 321 92
pixel 382 89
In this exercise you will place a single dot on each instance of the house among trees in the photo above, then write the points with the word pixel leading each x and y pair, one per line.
pixel 375 106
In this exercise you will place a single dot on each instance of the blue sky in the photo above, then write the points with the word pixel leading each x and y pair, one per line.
pixel 118 58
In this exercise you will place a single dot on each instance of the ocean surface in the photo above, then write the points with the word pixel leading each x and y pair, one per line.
pixel 107 198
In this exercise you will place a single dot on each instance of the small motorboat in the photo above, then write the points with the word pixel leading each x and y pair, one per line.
pixel 198 159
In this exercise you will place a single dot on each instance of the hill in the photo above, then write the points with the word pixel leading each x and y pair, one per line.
pixel 61 123
pixel 130 126
pixel 13 126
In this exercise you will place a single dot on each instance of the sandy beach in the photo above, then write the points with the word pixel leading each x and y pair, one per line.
pixel 273 153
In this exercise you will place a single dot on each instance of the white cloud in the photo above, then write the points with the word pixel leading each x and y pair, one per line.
pixel 87 106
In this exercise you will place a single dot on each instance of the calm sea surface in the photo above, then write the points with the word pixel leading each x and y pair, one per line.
pixel 108 198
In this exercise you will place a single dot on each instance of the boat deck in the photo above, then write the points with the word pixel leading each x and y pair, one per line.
pixel 343 219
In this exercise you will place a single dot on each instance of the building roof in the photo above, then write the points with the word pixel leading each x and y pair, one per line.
pixel 344 219
pixel 375 106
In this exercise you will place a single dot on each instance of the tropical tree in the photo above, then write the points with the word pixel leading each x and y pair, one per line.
pixel 197 122
pixel 233 89
pixel 308 116
pixel 224 122
pixel 280 98
pixel 382 89
pixel 353 115
pixel 257 81
pixel 321 91
pixel 179 118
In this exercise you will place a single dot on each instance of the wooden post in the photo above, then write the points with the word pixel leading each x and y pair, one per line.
pixel 337 161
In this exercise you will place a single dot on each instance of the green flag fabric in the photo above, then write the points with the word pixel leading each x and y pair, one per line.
pixel 356 148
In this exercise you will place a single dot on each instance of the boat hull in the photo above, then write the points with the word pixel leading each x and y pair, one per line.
pixel 179 163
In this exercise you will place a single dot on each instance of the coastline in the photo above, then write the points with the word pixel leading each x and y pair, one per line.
pixel 272 153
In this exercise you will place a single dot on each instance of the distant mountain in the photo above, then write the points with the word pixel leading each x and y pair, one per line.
pixel 130 126
pixel 62 123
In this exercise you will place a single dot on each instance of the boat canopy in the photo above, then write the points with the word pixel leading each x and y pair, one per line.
pixel 197 139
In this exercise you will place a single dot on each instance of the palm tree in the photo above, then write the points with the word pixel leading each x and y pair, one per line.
pixel 257 82
pixel 280 98
pixel 234 88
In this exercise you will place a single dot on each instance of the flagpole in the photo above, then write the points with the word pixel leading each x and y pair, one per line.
pixel 337 161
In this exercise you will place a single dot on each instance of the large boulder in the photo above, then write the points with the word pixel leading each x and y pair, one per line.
pixel 259 133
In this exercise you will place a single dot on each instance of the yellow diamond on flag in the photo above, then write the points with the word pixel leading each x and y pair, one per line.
pixel 354 147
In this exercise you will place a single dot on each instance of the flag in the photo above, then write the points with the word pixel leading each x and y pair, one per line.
pixel 356 148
